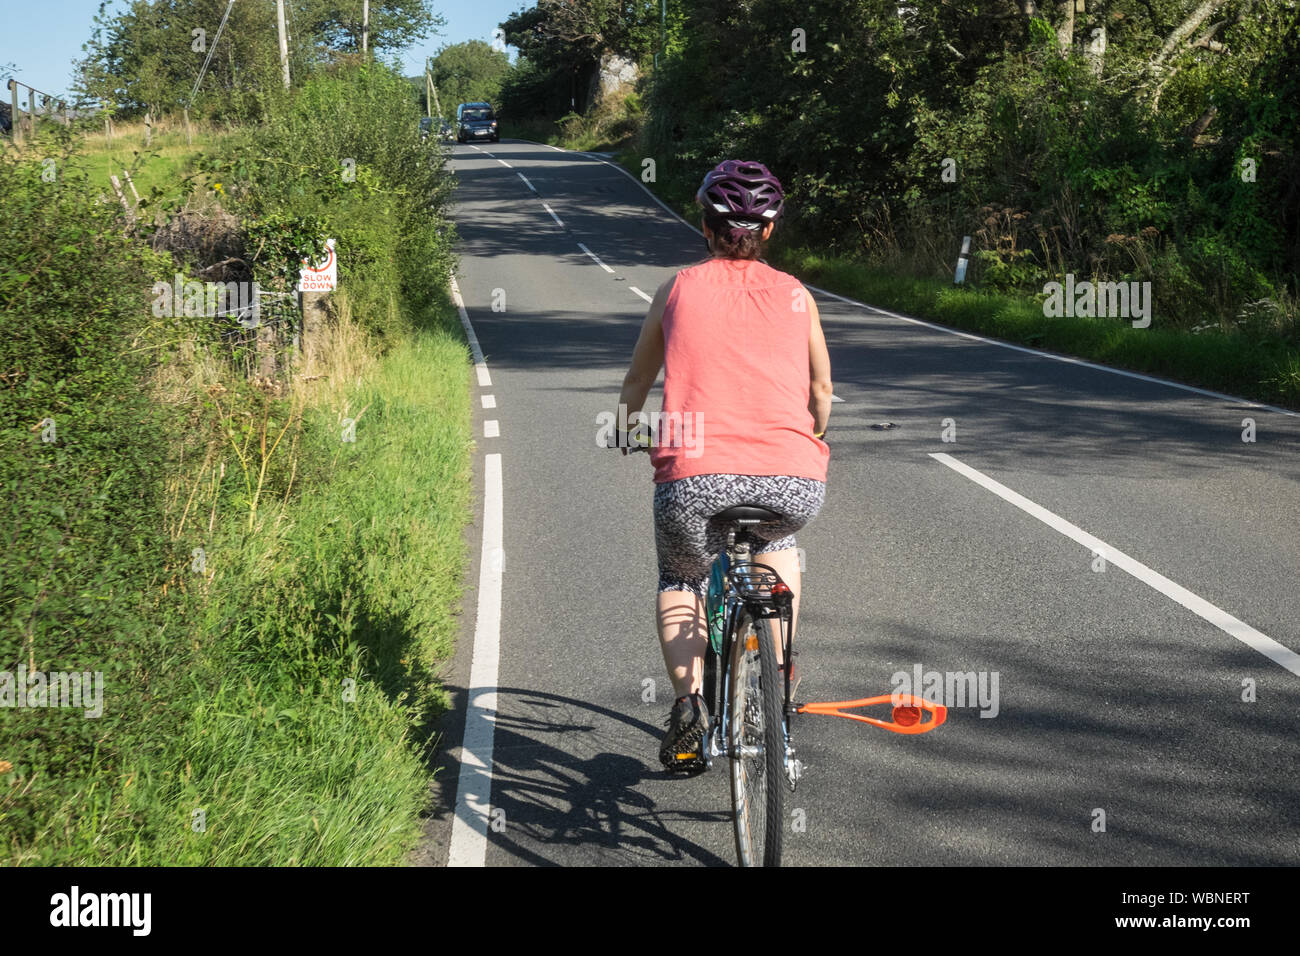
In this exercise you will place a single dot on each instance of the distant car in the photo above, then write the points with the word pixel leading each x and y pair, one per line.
pixel 476 121
pixel 426 126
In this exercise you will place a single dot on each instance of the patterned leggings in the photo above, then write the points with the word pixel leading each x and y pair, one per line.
pixel 688 539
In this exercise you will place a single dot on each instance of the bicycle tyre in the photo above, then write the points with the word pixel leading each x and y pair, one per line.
pixel 755 695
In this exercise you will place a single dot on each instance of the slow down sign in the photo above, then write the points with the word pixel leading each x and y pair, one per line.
pixel 322 277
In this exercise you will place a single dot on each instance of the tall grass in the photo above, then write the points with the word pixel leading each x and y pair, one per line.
pixel 288 709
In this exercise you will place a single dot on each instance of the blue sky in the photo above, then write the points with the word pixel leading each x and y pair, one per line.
pixel 41 39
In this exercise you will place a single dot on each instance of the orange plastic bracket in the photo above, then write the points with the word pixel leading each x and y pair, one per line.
pixel 906 714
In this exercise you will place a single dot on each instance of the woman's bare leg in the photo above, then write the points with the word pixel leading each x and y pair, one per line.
pixel 683 635
pixel 683 631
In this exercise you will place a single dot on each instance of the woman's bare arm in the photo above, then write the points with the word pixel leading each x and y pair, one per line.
pixel 819 371
pixel 648 356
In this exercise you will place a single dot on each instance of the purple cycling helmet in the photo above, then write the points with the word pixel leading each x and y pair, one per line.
pixel 744 193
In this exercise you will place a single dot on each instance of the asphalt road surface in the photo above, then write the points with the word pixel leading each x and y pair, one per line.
pixel 1108 546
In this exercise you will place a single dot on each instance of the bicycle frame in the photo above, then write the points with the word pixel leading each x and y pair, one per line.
pixel 756 588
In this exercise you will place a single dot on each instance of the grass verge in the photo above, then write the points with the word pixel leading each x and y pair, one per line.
pixel 293 685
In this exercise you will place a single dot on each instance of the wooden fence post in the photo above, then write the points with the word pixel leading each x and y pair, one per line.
pixel 267 361
pixel 126 174
pixel 130 212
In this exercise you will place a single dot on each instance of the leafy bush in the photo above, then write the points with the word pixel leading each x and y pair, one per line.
pixel 82 454
pixel 345 154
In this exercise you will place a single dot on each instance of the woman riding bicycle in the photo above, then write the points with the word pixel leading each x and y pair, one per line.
pixel 745 364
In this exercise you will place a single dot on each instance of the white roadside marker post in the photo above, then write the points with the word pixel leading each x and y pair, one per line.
pixel 960 275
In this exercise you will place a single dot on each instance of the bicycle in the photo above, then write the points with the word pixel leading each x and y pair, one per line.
pixel 749 703
pixel 748 696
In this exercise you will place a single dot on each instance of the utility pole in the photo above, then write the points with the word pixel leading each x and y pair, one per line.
pixel 431 91
pixel 15 124
pixel 284 42
pixel 663 28
pixel 365 25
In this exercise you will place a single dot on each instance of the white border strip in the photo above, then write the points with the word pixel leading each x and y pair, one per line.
pixel 1277 653
pixel 480 366
pixel 469 825
pixel 941 328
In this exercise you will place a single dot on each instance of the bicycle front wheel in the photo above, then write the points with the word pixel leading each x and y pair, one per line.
pixel 756 743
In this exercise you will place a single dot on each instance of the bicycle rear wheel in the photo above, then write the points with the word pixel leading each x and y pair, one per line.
pixel 757 743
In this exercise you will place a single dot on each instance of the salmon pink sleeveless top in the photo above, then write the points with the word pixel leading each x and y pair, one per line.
pixel 736 376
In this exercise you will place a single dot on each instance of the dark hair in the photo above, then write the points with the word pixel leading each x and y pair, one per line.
pixel 734 242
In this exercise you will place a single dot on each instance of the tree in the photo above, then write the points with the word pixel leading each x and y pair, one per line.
pixel 336 25
pixel 469 72
pixel 565 42
pixel 147 57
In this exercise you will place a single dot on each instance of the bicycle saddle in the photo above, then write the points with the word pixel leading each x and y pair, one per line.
pixel 748 513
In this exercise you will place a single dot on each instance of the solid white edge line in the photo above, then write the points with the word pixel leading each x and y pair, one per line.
pixel 469 826
pixel 1063 358
pixel 648 298
pixel 940 328
pixel 595 258
pixel 480 366
pixel 1279 654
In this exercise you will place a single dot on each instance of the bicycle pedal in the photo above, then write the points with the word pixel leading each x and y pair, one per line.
pixel 689 761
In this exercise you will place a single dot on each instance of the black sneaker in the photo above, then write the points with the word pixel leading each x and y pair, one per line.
pixel 687 725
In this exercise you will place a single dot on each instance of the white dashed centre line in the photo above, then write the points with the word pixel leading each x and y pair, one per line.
pixel 648 298
pixel 526 182
pixel 595 258
pixel 547 207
